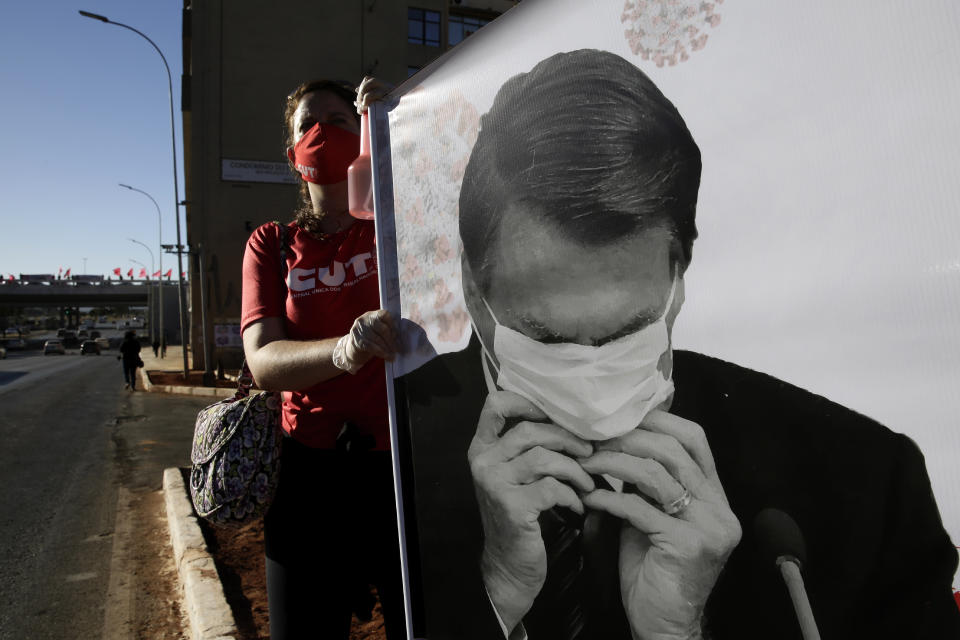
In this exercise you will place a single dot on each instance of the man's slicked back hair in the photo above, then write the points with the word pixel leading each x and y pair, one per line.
pixel 586 143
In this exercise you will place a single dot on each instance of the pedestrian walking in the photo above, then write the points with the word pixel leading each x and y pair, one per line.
pixel 130 359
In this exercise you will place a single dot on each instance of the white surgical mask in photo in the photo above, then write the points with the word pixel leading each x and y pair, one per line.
pixel 597 393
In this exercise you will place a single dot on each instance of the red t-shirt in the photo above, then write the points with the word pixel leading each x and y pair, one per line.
pixel 330 283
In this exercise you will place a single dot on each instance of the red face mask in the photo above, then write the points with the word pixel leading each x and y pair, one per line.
pixel 324 152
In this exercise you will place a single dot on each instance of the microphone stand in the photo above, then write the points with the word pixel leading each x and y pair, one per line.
pixel 790 570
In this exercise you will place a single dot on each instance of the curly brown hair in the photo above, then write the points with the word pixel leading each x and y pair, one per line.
pixel 304 215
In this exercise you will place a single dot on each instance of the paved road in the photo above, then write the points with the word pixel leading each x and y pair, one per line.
pixel 77 451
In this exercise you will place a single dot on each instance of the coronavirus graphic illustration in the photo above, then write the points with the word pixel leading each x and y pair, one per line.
pixel 426 194
pixel 667 31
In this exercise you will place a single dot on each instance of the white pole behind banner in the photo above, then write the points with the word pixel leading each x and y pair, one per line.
pixel 387 272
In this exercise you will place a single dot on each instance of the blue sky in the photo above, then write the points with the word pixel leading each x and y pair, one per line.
pixel 84 108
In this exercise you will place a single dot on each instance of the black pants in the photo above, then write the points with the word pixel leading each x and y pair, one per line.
pixel 330 532
pixel 130 374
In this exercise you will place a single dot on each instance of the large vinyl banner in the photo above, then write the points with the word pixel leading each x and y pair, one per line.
pixel 679 285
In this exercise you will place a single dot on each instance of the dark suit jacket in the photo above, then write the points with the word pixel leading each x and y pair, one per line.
pixel 879 565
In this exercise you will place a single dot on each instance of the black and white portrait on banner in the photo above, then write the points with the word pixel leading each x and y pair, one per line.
pixel 663 266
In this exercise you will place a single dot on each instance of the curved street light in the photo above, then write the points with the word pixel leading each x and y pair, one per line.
pixel 159 251
pixel 176 188
pixel 152 263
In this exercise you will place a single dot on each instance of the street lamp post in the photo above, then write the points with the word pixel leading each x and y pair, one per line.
pixel 152 263
pixel 159 251
pixel 176 188
pixel 153 327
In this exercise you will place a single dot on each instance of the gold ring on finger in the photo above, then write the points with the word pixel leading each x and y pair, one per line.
pixel 678 505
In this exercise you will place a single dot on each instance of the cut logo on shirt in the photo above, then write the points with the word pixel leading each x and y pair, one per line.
pixel 307 281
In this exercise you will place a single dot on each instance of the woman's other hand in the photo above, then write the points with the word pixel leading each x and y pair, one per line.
pixel 372 335
pixel 371 90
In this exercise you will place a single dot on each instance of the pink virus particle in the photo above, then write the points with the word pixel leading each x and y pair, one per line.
pixel 414 213
pixel 443 252
pixel 666 31
pixel 452 325
pixel 414 314
pixel 442 294
pixel 411 268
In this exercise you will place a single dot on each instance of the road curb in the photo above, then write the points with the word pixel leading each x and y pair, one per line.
pixel 145 383
pixel 207 609
pixel 210 392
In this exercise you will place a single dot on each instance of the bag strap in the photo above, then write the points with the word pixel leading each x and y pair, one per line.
pixel 244 381
pixel 245 378
pixel 284 245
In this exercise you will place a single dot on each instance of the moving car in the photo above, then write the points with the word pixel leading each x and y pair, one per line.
pixel 89 346
pixel 53 346
pixel 103 342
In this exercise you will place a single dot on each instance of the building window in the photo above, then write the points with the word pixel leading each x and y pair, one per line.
pixel 462 26
pixel 423 27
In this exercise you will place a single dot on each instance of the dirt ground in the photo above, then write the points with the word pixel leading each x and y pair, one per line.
pixel 155 590
pixel 176 378
pixel 238 554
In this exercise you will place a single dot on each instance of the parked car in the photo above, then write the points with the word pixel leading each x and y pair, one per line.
pixel 3 352
pixel 16 344
pixel 89 346
pixel 103 342
pixel 82 333
pixel 53 346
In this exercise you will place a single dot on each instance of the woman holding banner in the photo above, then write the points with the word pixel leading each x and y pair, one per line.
pixel 312 328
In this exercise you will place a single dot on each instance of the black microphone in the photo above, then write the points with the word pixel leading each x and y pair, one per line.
pixel 781 542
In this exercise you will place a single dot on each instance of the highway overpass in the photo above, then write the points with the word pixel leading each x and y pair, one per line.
pixel 66 293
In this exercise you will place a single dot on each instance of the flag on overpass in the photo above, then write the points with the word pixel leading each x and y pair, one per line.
pixel 143 273
pixel 130 273
pixel 66 273
pixel 167 274
pixel 117 271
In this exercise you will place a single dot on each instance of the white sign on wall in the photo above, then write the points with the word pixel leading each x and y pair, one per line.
pixel 233 170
